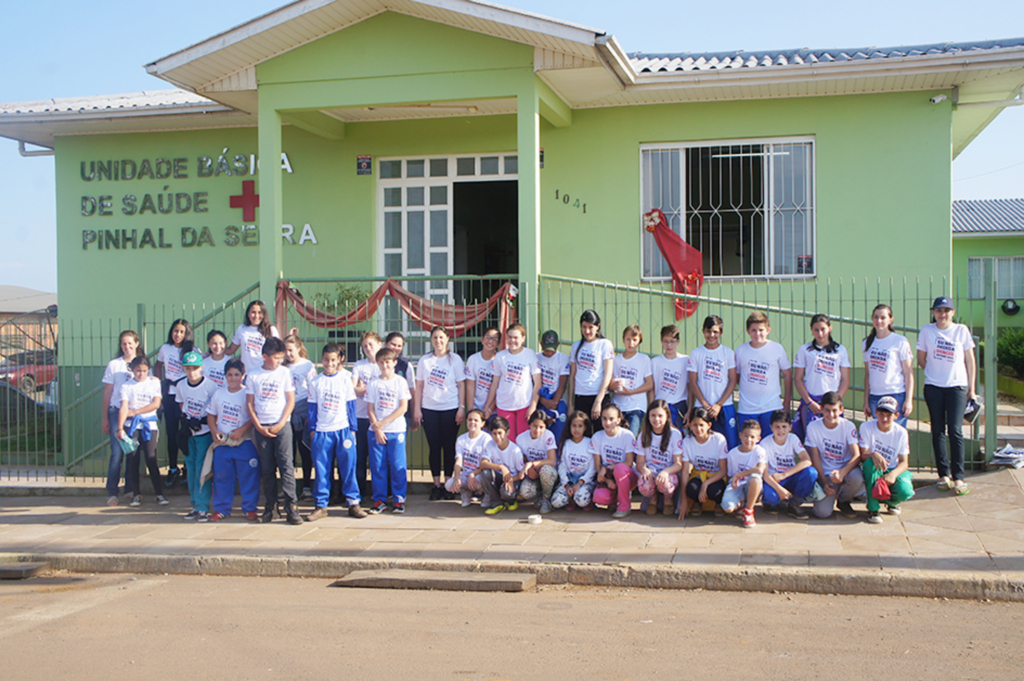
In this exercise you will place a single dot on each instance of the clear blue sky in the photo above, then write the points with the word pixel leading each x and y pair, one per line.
pixel 63 49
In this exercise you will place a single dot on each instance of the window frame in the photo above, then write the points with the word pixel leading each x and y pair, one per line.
pixel 976 283
pixel 769 203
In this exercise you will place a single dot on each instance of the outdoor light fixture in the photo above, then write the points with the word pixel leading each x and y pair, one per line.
pixel 938 98
pixel 1010 307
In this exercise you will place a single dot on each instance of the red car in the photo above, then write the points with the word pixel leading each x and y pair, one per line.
pixel 29 370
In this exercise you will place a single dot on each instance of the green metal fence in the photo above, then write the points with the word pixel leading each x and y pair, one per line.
pixel 57 431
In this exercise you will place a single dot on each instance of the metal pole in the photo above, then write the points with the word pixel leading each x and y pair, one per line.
pixel 991 378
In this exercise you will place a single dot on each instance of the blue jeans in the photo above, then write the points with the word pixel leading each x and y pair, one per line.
pixel 899 397
pixel 116 454
pixel 799 485
pixel 634 419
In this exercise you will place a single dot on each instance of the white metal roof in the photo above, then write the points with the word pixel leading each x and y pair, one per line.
pixel 994 217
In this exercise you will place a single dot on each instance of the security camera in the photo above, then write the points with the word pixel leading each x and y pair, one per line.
pixel 938 98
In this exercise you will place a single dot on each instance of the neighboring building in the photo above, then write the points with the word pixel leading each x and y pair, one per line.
pixel 28 320
pixel 989 228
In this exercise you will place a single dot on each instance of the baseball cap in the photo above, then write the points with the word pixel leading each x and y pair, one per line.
pixel 889 404
pixel 549 340
pixel 192 359
pixel 943 302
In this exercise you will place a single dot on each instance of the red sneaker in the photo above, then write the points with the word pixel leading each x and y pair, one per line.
pixel 748 517
pixel 215 516
pixel 252 515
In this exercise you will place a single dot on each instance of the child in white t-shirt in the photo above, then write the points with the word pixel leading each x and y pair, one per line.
pixel 833 444
pixel 539 475
pixel 885 450
pixel 820 366
pixel 387 402
pixel 576 469
pixel 746 466
pixel 502 462
pixel 671 373
pixel 705 466
pixel 554 378
pixel 364 372
pixel 469 452
pixel 590 368
pixel 296 359
pixel 659 458
pixel 193 394
pixel 790 476
pixel 888 364
pixel 515 384
pixel 632 382
pixel 234 455
pixel 612 449
pixel 480 370
pixel 140 399
pixel 213 364
pixel 759 365
pixel 713 380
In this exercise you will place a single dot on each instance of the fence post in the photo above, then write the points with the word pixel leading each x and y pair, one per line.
pixel 991 377
pixel 141 321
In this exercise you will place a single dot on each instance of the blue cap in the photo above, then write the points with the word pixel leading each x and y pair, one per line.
pixel 943 302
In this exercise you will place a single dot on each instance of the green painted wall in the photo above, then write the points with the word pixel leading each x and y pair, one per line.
pixel 983 247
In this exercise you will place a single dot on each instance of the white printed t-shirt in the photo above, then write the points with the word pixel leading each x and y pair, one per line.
pixel 655 459
pixel 367 372
pixel 213 369
pixel 890 445
pixel 712 369
pixel 138 395
pixel 782 457
pixel 552 369
pixel 576 462
pixel 833 445
pixel 302 373
pixel 589 363
pixel 269 390
pixel 612 450
pixel 739 461
pixel 481 372
pixel 633 372
pixel 536 450
pixel 758 371
pixel 706 457
pixel 386 397
pixel 195 400
pixel 230 410
pixel 250 342
pixel 170 357
pixel 116 375
pixel 469 451
pixel 516 372
pixel 331 394
pixel 822 370
pixel 511 457
pixel 885 364
pixel 441 377
pixel 671 378
pixel 945 367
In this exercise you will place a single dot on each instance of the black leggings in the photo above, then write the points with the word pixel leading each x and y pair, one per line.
pixel 585 403
pixel 172 414
pixel 715 489
pixel 147 449
pixel 441 431
pixel 946 408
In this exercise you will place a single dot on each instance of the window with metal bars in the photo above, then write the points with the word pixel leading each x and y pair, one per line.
pixel 1009 275
pixel 747 206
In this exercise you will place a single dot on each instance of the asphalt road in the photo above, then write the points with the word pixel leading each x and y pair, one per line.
pixel 87 627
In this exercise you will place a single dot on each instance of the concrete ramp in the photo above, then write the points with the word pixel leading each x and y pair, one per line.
pixel 438 580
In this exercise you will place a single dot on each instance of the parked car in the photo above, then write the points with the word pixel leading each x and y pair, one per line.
pixel 20 409
pixel 30 369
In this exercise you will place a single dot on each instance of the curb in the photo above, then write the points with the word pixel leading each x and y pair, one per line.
pixel 756 579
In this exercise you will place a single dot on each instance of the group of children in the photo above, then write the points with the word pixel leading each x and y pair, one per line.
pixel 563 431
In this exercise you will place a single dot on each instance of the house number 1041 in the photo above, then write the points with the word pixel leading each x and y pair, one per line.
pixel 569 201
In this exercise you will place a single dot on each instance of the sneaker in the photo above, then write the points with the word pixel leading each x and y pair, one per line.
pixel 846 508
pixel 512 506
pixel 874 518
pixel 293 515
pixel 622 513
pixel 184 476
pixel 356 511
pixel 252 516
pixel 652 507
pixel 436 493
pixel 268 515
pixel 895 510
pixel 799 512
pixel 495 510
pixel 112 501
pixel 719 511
pixel 399 507
pixel 379 507
pixel 545 506
pixel 162 500
pixel 318 512
pixel 216 517
pixel 192 515
pixel 747 515
pixel 446 495
pixel 307 493
pixel 172 477
pixel 466 502
pixel 770 510
pixel 570 506
pixel 202 517
pixel 136 500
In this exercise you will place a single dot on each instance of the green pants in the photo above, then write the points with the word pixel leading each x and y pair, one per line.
pixel 901 490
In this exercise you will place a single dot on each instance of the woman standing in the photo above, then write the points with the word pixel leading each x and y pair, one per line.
pixel 945 351
pixel 440 405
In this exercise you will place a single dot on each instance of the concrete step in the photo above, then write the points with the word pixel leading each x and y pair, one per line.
pixel 21 570
pixel 439 580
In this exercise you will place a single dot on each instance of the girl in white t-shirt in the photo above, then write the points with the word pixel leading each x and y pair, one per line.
pixel 590 368
pixel 612 449
pixel 945 351
pixel 515 383
pixel 180 339
pixel 115 376
pixel 249 337
pixel 713 379
pixel 297 360
pixel 576 469
pixel 469 452
pixel 888 366
pixel 440 405
pixel 632 379
pixel 704 466
pixel 659 458
pixel 539 475
pixel 480 370
pixel 140 398
pixel 502 461
pixel 820 366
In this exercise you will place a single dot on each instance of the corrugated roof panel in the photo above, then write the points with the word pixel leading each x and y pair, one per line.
pixel 988 216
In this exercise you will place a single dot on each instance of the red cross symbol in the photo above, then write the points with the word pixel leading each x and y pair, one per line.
pixel 248 200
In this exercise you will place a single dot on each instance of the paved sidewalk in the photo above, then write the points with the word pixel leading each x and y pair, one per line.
pixel 978 536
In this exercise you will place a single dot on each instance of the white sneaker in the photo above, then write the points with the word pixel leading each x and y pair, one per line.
pixel 162 500
pixel 136 500
pixel 895 510
pixel 111 501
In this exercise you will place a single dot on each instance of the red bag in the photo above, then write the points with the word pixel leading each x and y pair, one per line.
pixel 881 490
